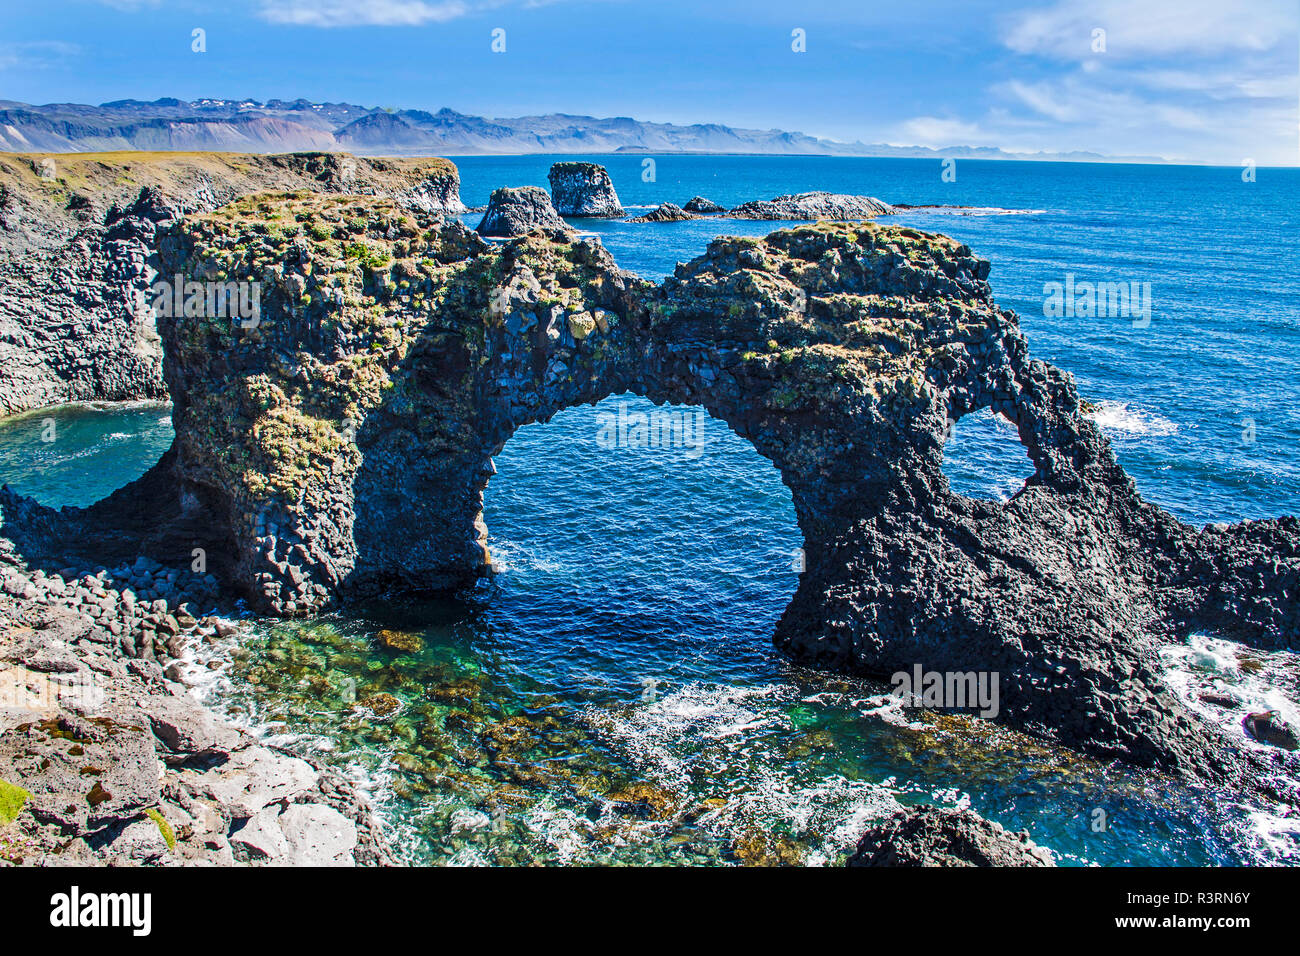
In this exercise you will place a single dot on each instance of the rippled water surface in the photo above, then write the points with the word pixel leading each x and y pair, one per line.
pixel 611 695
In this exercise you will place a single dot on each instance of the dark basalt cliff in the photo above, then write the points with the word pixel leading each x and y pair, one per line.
pixel 77 234
pixel 341 445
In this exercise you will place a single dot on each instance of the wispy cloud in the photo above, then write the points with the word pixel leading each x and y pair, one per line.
pixel 355 13
pixel 937 132
pixel 1187 79
pixel 35 54
pixel 1153 27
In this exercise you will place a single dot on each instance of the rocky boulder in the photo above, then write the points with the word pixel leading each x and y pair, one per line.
pixel 930 836
pixel 814 206
pixel 517 211
pixel 584 190
pixel 1268 727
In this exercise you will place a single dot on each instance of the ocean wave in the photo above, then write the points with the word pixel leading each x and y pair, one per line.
pixel 1124 420
pixel 713 732
pixel 971 211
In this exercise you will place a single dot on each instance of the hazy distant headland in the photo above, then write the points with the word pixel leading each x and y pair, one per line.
pixel 282 125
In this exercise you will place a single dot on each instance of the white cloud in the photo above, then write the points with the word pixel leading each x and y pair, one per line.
pixel 1152 27
pixel 1199 80
pixel 937 132
pixel 354 13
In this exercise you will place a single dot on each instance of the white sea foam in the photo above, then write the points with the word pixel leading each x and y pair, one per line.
pixel 1205 665
pixel 1124 420
pixel 972 211
pixel 206 670
pixel 711 732
pixel 508 556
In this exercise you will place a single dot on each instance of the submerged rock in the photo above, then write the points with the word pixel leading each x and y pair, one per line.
pixel 702 206
pixel 1268 727
pixel 517 211
pixel 813 206
pixel 665 212
pixel 381 705
pixel 584 190
pixel 930 836
pixel 403 641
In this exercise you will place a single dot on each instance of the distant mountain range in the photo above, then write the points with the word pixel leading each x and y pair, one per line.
pixel 287 126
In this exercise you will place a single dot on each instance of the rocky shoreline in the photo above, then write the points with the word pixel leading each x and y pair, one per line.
pixel 113 760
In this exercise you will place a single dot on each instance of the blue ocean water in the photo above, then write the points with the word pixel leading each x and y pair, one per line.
pixel 611 695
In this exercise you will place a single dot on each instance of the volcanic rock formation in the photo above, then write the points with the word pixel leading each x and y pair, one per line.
pixel 665 212
pixel 930 836
pixel 810 207
pixel 584 190
pixel 518 211
pixel 341 446
pixel 77 233
pixel 702 206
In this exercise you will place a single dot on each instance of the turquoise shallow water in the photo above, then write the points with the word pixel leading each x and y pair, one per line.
pixel 612 695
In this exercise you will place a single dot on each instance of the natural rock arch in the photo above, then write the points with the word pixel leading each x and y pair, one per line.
pixel 341 445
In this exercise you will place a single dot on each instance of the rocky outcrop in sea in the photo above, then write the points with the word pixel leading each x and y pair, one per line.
pixel 339 448
pixel 812 207
pixel 517 211
pixel 584 190
pixel 665 212
pixel 343 446
pixel 931 836
pixel 702 206
pixel 77 236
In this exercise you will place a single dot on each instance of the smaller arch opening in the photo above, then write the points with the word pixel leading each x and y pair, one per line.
pixel 984 459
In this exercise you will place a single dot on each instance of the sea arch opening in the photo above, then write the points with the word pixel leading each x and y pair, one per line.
pixel 78 454
pixel 984 457
pixel 627 526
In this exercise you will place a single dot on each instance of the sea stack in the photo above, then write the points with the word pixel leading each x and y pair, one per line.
pixel 517 211
pixel 584 190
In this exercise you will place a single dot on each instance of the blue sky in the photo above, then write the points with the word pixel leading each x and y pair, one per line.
pixel 1186 79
